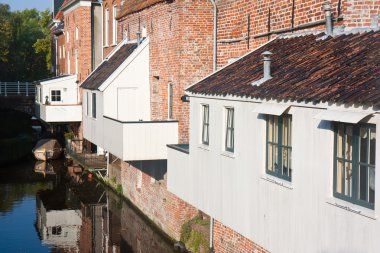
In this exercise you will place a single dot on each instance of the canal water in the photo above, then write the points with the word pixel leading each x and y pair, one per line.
pixel 58 208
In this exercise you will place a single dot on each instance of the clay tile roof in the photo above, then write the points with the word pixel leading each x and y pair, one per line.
pixel 132 6
pixel 107 67
pixel 342 69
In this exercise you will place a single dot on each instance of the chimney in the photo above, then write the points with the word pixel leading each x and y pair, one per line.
pixel 267 62
pixel 375 21
pixel 138 38
pixel 328 16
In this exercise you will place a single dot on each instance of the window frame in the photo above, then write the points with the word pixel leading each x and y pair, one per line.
pixel 170 101
pixel 106 32
pixel 228 128
pixel 114 25
pixel 280 146
pixel 355 163
pixel 93 107
pixel 55 96
pixel 205 124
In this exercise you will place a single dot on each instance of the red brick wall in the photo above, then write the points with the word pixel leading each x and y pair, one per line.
pixel 81 18
pixel 359 12
pixel 180 52
pixel 109 4
pixel 227 240
pixel 233 20
pixel 151 196
pixel 61 57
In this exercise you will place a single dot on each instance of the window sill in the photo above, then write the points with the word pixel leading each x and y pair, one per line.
pixel 204 147
pixel 228 154
pixel 105 46
pixel 277 181
pixel 350 207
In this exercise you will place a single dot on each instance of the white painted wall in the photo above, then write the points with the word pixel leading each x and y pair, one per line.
pixel 93 127
pixel 66 110
pixel 300 216
pixel 132 141
pixel 67 86
pixel 59 113
pixel 127 98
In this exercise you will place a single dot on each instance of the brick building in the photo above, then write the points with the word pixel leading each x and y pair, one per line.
pixel 231 185
pixel 173 50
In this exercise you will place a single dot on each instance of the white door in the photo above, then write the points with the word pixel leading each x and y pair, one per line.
pixel 128 104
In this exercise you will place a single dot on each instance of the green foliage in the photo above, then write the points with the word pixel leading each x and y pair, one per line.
pixel 24 45
pixel 69 135
pixel 113 179
pixel 119 189
pixel 195 240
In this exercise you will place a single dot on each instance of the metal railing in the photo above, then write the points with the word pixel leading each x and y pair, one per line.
pixel 88 160
pixel 17 89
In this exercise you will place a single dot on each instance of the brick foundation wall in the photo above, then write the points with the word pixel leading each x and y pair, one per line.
pixel 227 240
pixel 180 35
pixel 144 184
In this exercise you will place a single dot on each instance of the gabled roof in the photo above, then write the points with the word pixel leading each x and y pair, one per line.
pixel 54 78
pixel 107 67
pixel 310 68
pixel 132 6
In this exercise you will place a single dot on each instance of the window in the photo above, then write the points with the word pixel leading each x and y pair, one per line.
pixel 55 95
pixel 76 61
pixel 63 50
pixel 94 105
pixel 114 26
pixel 60 52
pixel 68 62
pixel 68 37
pixel 76 33
pixel 229 142
pixel 354 163
pixel 87 103
pixel 279 146
pixel 170 101
pixel 106 27
pixel 205 124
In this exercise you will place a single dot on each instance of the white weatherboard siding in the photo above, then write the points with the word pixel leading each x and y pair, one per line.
pixel 59 113
pixel 132 141
pixel 93 127
pixel 127 97
pixel 298 216
pixel 68 109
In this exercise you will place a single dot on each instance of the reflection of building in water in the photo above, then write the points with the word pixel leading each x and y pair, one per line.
pixel 58 224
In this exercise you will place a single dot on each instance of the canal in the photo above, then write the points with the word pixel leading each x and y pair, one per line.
pixel 58 208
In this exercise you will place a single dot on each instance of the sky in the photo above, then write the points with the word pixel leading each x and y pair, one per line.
pixel 28 4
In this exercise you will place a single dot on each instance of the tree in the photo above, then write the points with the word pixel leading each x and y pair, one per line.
pixel 25 51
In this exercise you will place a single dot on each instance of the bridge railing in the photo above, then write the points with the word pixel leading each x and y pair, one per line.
pixel 17 89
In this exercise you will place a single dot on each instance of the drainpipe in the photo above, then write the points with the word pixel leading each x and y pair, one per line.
pixel 214 35
pixel 214 62
pixel 56 55
pixel 327 9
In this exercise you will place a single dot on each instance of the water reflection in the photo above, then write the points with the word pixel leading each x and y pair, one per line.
pixel 80 215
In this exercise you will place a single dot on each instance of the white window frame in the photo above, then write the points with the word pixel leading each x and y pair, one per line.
pixel 63 51
pixel 68 37
pixel 68 62
pixel 77 33
pixel 56 95
pixel 88 103
pixel 106 25
pixel 170 100
pixel 114 25
pixel 205 124
pixel 93 105
pixel 76 61
pixel 229 127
